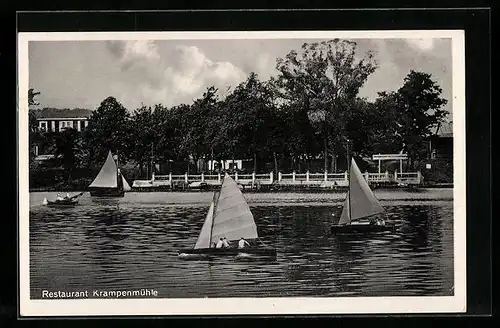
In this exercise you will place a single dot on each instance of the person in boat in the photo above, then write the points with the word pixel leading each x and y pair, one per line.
pixel 379 222
pixel 242 242
pixel 225 243
pixel 58 197
pixel 220 243
pixel 67 196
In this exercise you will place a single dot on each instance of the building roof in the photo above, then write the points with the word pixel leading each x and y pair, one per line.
pixel 49 112
pixel 444 130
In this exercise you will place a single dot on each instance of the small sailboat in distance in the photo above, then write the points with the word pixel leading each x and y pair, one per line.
pixel 109 182
pixel 360 203
pixel 229 216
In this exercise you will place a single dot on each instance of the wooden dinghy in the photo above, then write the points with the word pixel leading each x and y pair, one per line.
pixel 69 201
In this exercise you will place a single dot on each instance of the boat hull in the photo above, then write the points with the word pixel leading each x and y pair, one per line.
pixel 362 228
pixel 61 203
pixel 107 192
pixel 267 252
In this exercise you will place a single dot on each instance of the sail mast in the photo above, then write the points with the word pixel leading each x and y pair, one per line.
pixel 349 163
pixel 119 181
pixel 216 201
pixel 349 195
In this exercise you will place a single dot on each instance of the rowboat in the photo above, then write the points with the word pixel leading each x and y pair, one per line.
pixel 67 201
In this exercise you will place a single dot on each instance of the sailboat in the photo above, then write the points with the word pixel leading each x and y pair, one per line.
pixel 360 204
pixel 109 182
pixel 229 216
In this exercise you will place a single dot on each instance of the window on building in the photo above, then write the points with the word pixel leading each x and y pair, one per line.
pixel 43 126
pixel 63 125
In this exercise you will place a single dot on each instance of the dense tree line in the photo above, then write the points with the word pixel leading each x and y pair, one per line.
pixel 311 109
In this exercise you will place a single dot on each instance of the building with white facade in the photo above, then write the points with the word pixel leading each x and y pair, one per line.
pixel 57 120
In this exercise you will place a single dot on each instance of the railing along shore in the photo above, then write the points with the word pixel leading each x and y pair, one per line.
pixel 253 180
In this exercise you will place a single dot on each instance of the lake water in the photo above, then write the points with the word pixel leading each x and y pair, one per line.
pixel 132 242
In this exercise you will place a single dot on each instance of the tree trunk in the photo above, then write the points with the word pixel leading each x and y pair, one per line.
pixel 325 141
pixel 275 163
pixel 333 163
pixel 212 161
pixel 255 162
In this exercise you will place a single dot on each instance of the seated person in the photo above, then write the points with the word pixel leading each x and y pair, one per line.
pixel 220 243
pixel 242 243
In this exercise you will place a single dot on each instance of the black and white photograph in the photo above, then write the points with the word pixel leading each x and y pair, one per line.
pixel 193 173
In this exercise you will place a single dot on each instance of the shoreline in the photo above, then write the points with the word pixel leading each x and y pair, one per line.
pixel 272 189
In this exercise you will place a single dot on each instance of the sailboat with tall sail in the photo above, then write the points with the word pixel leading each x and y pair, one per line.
pixel 360 204
pixel 229 217
pixel 109 182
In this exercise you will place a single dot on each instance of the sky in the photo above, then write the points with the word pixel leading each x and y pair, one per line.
pixel 80 74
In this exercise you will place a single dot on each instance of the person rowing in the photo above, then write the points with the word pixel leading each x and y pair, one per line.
pixel 225 243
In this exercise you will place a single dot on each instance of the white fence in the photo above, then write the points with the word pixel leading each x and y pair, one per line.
pixel 285 179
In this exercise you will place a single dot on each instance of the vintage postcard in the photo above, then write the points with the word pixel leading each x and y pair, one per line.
pixel 268 173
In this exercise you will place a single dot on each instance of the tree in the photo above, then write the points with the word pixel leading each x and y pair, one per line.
pixel 109 129
pixel 420 107
pixel 325 80
pixel 144 135
pixel 383 134
pixel 248 122
pixel 301 136
pixel 198 127
pixel 34 135
pixel 66 143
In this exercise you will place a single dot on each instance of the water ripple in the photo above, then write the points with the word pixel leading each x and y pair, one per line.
pixel 132 243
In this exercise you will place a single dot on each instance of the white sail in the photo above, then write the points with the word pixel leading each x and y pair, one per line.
pixel 205 233
pixel 107 177
pixel 232 217
pixel 360 201
pixel 344 217
pixel 126 186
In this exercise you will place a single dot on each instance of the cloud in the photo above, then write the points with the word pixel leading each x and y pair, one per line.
pixel 148 77
pixel 421 44
pixel 265 66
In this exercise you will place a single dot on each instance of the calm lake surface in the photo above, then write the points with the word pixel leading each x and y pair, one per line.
pixel 131 243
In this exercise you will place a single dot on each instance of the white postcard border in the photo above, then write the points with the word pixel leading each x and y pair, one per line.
pixel 241 306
